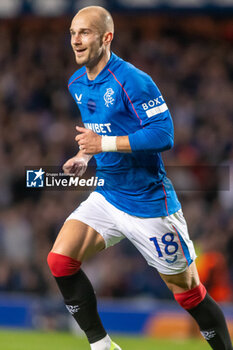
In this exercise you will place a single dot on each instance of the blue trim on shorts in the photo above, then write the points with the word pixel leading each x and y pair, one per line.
pixel 185 249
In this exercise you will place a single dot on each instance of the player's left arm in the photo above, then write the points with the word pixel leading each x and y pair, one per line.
pixel 147 105
pixel 144 102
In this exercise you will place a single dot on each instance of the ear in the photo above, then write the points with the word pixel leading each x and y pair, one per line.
pixel 107 38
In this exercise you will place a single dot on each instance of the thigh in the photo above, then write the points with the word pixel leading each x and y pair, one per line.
pixel 78 240
pixel 184 281
pixel 89 229
pixel 164 242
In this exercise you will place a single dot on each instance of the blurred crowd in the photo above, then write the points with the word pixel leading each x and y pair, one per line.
pixel 191 60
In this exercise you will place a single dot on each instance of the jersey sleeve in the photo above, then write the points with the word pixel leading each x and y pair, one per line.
pixel 146 103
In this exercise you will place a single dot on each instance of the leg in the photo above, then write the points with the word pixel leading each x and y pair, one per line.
pixel 165 244
pixel 75 243
pixel 78 241
pixel 88 230
pixel 192 296
pixel 184 281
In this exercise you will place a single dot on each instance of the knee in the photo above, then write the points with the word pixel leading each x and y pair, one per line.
pixel 61 265
pixel 182 285
pixel 187 280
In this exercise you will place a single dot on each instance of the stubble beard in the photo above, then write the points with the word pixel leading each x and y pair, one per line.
pixel 81 61
pixel 92 62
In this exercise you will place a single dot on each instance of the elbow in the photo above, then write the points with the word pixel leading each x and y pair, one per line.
pixel 170 143
pixel 164 146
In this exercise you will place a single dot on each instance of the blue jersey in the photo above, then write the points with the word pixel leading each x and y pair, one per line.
pixel 123 100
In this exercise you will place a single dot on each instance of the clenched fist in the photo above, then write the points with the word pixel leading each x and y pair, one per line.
pixel 89 142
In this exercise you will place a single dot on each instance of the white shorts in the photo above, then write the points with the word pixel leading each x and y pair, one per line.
pixel 163 241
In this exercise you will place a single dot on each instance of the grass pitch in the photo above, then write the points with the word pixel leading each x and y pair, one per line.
pixel 21 340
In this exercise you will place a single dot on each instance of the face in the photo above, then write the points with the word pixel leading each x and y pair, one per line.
pixel 86 40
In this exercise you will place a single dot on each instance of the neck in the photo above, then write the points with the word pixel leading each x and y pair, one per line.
pixel 97 67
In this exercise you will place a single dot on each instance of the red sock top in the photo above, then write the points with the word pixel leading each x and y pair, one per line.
pixel 192 297
pixel 61 265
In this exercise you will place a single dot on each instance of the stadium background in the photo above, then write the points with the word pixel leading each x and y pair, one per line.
pixel 188 52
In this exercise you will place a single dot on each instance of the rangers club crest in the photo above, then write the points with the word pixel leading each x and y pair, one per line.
pixel 108 97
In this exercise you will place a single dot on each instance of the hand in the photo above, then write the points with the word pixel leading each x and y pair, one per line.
pixel 76 165
pixel 89 142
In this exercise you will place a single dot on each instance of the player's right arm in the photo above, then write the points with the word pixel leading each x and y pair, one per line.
pixel 77 165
